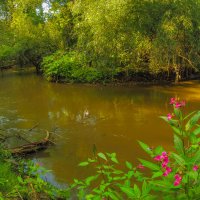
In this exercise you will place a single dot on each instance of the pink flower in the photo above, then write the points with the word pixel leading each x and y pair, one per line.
pixel 172 101
pixel 177 176
pixel 161 157
pixel 165 161
pixel 164 164
pixel 158 158
pixel 165 173
pixel 164 153
pixel 178 180
pixel 180 104
pixel 168 170
pixel 195 168
pixel 140 166
pixel 169 116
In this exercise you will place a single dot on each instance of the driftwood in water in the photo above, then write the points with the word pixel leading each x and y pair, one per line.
pixel 6 67
pixel 32 147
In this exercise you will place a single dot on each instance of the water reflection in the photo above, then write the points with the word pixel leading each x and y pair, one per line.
pixel 112 118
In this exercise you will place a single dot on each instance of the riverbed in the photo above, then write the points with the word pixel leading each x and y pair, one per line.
pixel 111 118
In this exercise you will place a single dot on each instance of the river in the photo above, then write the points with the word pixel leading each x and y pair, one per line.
pixel 112 118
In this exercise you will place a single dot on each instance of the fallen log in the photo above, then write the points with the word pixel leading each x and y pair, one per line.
pixel 6 67
pixel 32 147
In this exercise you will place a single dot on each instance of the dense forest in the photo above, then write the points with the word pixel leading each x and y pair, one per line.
pixel 104 40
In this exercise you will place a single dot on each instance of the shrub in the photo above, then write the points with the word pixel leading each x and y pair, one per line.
pixel 86 74
pixel 70 68
pixel 59 65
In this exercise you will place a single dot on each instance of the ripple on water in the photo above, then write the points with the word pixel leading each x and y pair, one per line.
pixel 4 120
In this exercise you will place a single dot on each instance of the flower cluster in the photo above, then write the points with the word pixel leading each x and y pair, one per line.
pixel 165 161
pixel 178 180
pixel 176 103
pixel 195 167
pixel 169 116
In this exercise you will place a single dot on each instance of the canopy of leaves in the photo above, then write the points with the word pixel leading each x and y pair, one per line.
pixel 125 37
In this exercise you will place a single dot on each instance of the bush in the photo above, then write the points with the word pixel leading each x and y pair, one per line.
pixel 59 65
pixel 66 66
pixel 86 74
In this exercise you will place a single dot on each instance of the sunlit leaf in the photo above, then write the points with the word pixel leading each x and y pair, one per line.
pixel 178 144
pixel 149 165
pixel 129 165
pixel 83 164
pixel 193 121
pixel 102 155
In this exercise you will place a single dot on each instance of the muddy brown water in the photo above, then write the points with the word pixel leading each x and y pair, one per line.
pixel 111 118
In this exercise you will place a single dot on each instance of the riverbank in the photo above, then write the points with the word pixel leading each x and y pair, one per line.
pixel 22 179
pixel 137 81
pixel 132 83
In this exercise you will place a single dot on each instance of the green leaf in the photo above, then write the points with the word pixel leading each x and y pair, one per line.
pixel 196 131
pixel 149 165
pixel 193 138
pixel 157 174
pixel 114 160
pixel 161 184
pixel 193 121
pixel 89 179
pixel 112 195
pixel 178 113
pixel 101 155
pixel 178 159
pixel 171 122
pixel 91 160
pixel 19 178
pixel 189 115
pixel 128 191
pixel 90 196
pixel 158 150
pixel 178 143
pixel 193 175
pixel 83 164
pixel 127 183
pixel 130 174
pixel 196 158
pixel 129 165
pixel 137 191
pixel 146 148
pixel 145 189
pixel 176 130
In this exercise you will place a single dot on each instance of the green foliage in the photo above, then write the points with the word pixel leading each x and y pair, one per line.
pixel 66 66
pixel 30 183
pixel 116 40
pixel 21 179
pixel 59 65
pixel 7 177
pixel 110 182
